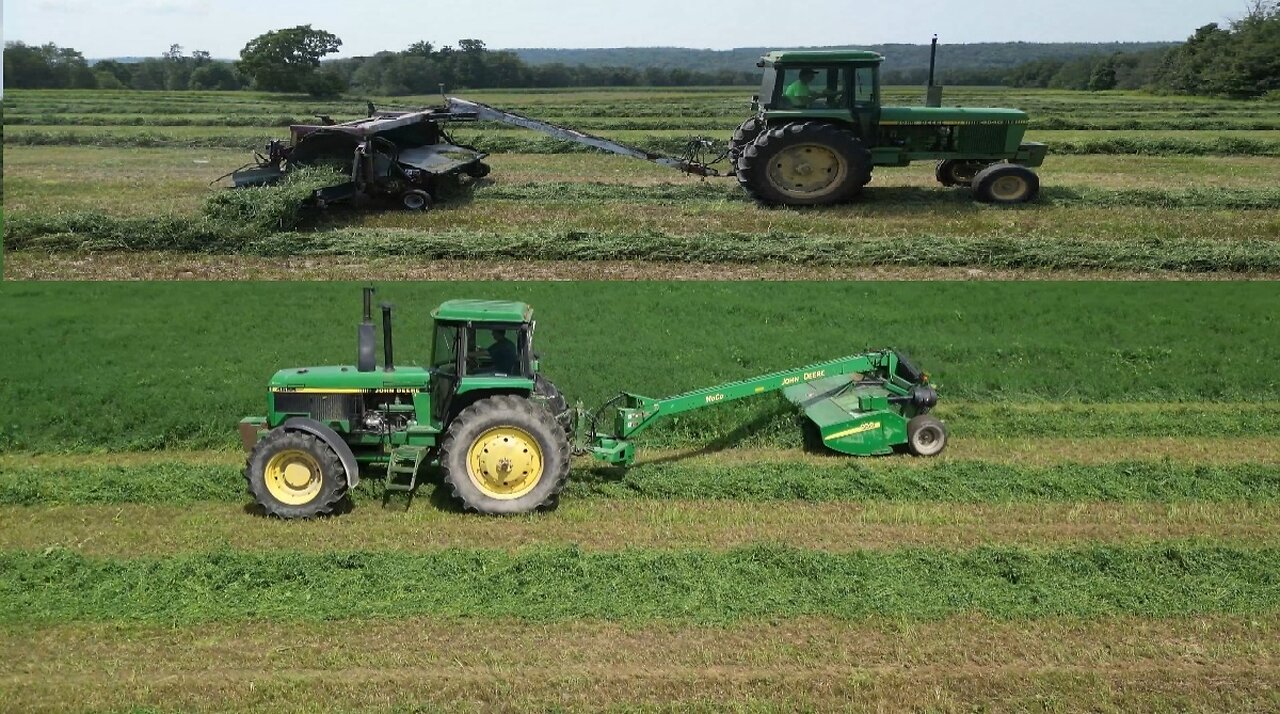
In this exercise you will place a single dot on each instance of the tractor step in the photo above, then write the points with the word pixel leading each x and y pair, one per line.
pixel 405 462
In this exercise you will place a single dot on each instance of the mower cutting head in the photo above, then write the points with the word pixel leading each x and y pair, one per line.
pixel 868 414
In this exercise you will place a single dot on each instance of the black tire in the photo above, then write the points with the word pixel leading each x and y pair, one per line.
pixel 555 402
pixel 1006 184
pixel 478 170
pixel 416 200
pixel 951 172
pixel 743 137
pixel 330 481
pixel 842 168
pixel 926 435
pixel 481 420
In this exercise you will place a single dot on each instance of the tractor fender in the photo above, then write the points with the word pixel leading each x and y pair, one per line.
pixel 332 440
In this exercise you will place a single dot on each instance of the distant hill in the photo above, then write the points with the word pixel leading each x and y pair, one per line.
pixel 898 58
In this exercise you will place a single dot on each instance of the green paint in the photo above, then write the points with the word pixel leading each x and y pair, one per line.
pixel 896 135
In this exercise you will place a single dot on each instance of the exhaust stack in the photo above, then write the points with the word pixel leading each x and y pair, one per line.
pixel 367 345
pixel 933 93
pixel 388 356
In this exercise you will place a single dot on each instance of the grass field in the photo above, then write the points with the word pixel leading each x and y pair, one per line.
pixel 109 184
pixel 1102 534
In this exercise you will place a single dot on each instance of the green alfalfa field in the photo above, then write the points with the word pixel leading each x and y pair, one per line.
pixel 103 184
pixel 1100 534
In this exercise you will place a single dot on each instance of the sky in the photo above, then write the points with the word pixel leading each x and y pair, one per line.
pixel 114 28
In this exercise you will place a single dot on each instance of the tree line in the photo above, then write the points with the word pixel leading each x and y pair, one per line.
pixel 1239 60
pixel 291 60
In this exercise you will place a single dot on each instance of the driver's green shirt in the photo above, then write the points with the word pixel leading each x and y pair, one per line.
pixel 798 93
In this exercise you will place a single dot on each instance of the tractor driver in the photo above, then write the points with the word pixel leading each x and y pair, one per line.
pixel 800 95
pixel 503 354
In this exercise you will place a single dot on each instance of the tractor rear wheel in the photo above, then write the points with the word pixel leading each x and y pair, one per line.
pixel 805 164
pixel 926 435
pixel 505 455
pixel 743 137
pixel 1006 184
pixel 295 475
pixel 951 172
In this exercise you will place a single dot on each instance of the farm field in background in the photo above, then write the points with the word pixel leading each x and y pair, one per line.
pixel 1101 532
pixel 1136 185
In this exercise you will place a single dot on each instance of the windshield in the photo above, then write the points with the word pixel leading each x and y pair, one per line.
pixel 864 87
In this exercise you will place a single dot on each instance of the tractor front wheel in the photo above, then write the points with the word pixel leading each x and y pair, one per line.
pixel 295 475
pixel 805 164
pixel 926 435
pixel 1006 184
pixel 505 455
pixel 951 172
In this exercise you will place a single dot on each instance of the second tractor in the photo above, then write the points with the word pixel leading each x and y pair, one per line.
pixel 502 435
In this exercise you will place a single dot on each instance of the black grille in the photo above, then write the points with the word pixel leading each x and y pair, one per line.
pixel 983 138
pixel 321 407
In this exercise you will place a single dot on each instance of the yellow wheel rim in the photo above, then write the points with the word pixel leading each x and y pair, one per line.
pixel 1009 188
pixel 505 463
pixel 294 477
pixel 807 170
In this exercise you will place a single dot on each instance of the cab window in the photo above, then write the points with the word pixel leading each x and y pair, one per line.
pixel 812 88
pixel 495 350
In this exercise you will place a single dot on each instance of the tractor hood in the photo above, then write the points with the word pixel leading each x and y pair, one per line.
pixel 348 378
pixel 942 116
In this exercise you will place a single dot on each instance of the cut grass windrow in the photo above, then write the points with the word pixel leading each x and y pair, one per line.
pixel 130 530
pixel 422 664
pixel 1213 198
pixel 901 480
pixel 32 265
pixel 97 232
pixel 556 584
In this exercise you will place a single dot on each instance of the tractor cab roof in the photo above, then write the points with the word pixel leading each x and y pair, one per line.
pixel 788 57
pixel 483 311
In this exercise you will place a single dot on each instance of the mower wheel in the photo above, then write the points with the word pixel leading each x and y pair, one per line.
pixel 951 172
pixel 1006 184
pixel 926 435
pixel 505 455
pixel 478 170
pixel 808 163
pixel 295 475
pixel 416 200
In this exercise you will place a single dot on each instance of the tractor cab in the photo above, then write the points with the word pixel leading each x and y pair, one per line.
pixel 480 346
pixel 819 130
pixel 833 85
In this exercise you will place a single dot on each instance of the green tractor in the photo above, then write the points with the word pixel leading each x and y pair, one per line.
pixel 819 130
pixel 502 434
